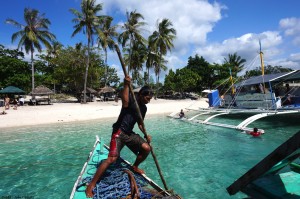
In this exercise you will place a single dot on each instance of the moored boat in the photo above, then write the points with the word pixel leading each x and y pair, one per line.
pixel 119 181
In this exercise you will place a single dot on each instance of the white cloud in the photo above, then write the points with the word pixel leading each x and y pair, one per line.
pixel 192 19
pixel 295 57
pixel 291 27
pixel 246 46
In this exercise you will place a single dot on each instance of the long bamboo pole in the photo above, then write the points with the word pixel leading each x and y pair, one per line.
pixel 140 117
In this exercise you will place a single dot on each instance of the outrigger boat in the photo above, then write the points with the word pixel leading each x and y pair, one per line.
pixel 258 96
pixel 254 103
pixel 119 181
pixel 276 176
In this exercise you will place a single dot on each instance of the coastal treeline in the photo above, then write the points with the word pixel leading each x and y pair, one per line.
pixel 71 69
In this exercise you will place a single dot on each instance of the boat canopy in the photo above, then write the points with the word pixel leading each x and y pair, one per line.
pixel 278 77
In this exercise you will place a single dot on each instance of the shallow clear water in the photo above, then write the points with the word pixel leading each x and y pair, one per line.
pixel 197 161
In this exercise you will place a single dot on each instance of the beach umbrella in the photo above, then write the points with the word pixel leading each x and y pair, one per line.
pixel 41 90
pixel 12 90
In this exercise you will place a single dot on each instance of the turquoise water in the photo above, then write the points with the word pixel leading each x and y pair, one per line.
pixel 197 161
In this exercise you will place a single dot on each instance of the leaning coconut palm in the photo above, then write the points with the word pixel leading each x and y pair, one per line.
pixel 132 32
pixel 106 34
pixel 32 34
pixel 87 21
pixel 162 41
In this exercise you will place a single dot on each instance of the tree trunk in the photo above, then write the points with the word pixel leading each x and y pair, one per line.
pixel 32 74
pixel 106 67
pixel 86 72
pixel 158 71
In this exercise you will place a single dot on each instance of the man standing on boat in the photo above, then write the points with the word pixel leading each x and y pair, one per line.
pixel 123 133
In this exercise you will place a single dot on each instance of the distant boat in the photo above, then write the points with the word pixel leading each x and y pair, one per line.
pixel 119 181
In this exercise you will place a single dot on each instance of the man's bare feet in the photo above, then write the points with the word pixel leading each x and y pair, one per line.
pixel 137 170
pixel 89 191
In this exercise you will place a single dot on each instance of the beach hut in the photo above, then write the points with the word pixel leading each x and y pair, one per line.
pixel 107 93
pixel 41 94
pixel 90 93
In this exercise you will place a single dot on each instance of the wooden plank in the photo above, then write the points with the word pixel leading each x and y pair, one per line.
pixel 283 153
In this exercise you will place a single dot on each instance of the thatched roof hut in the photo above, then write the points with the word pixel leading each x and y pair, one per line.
pixel 107 89
pixel 41 90
pixel 39 94
pixel 90 90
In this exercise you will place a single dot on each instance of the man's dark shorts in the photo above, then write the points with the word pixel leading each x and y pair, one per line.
pixel 119 139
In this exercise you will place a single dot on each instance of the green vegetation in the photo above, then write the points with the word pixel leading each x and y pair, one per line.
pixel 71 69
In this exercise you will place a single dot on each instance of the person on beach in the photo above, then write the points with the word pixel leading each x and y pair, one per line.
pixel 6 101
pixel 181 114
pixel 15 102
pixel 21 101
pixel 123 132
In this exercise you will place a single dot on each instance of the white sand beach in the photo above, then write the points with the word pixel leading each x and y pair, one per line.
pixel 70 112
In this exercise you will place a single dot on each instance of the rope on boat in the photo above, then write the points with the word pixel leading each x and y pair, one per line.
pixel 134 188
pixel 115 183
pixel 122 183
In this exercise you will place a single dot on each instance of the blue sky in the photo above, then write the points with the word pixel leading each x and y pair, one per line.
pixel 212 29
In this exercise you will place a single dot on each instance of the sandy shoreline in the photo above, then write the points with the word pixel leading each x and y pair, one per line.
pixel 70 112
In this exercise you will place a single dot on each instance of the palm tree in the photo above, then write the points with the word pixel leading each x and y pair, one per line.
pixel 158 68
pixel 138 58
pixel 54 49
pixel 106 35
pixel 87 21
pixel 132 32
pixel 32 34
pixel 236 61
pixel 152 58
pixel 162 41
